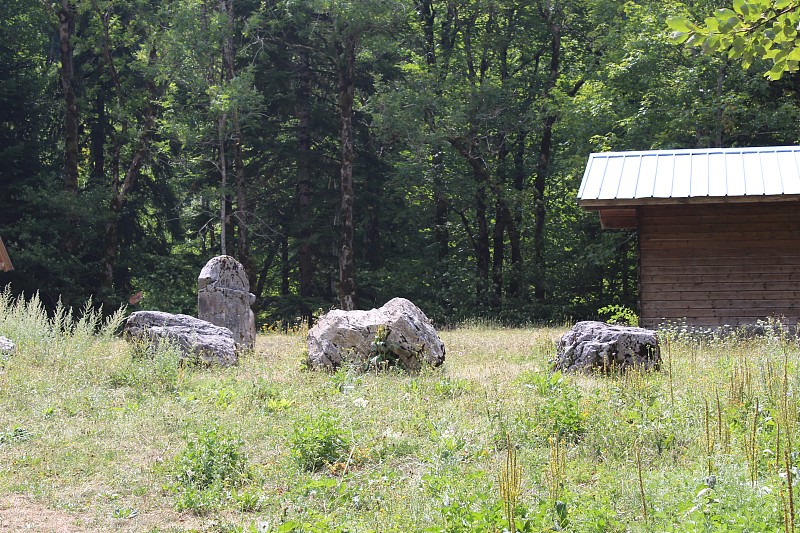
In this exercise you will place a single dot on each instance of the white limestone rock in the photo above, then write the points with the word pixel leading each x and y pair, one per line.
pixel 592 345
pixel 349 335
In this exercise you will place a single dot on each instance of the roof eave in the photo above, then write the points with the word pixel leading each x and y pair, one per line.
pixel 632 202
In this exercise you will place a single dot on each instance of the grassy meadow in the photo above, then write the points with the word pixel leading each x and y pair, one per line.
pixel 94 437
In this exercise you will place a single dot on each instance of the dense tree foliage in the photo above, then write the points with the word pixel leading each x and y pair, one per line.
pixel 350 152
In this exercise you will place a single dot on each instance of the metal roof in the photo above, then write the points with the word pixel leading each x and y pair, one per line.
pixel 673 176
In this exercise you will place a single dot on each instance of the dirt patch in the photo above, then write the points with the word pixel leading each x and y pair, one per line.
pixel 18 513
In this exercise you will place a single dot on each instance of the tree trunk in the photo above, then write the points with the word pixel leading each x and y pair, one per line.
pixel 515 282
pixel 265 268
pixel 123 187
pixel 543 164
pixel 66 27
pixel 498 251
pixel 440 215
pixel 483 180
pixel 223 201
pixel 304 192
pixel 98 135
pixel 482 252
pixel 345 66
pixel 427 17
pixel 286 268
pixel 241 214
pixel 373 236
pixel 242 219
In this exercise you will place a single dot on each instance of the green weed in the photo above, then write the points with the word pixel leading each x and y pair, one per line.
pixel 209 467
pixel 318 441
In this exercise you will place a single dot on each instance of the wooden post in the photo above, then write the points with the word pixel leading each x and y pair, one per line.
pixel 5 261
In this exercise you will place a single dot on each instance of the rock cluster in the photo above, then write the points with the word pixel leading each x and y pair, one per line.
pixel 405 333
pixel 224 299
pixel 598 346
pixel 199 341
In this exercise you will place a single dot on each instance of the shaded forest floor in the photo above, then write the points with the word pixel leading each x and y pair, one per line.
pixel 94 439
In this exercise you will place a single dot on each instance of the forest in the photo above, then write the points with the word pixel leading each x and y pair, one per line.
pixel 347 152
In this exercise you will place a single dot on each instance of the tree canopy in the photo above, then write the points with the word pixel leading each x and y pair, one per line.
pixel 350 152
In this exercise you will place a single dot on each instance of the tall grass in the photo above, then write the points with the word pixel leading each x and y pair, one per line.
pixel 490 442
pixel 62 332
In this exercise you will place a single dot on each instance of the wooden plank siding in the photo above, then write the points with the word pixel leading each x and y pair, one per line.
pixel 715 265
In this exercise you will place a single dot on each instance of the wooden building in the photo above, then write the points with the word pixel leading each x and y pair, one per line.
pixel 5 261
pixel 719 230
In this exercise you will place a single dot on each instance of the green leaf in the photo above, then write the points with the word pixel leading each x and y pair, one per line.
pixel 561 512
pixel 759 5
pixel 726 26
pixel 711 44
pixel 738 45
pixel 789 30
pixel 779 55
pixel 776 71
pixel 679 24
pixel 794 54
pixel 679 37
pixel 739 6
pixel 695 39
pixel 712 23
pixel 747 58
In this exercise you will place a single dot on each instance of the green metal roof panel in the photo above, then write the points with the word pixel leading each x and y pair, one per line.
pixel 683 174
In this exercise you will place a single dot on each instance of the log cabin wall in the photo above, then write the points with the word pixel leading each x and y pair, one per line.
pixel 721 264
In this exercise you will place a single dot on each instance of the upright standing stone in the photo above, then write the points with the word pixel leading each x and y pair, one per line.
pixel 224 298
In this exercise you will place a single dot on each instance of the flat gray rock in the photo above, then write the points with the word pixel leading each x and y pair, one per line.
pixel 198 340
pixel 594 345
pixel 349 335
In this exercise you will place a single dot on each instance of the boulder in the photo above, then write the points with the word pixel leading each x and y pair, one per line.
pixel 406 335
pixel 7 346
pixel 597 346
pixel 224 299
pixel 198 340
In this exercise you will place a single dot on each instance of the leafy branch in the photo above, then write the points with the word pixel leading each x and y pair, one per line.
pixel 754 29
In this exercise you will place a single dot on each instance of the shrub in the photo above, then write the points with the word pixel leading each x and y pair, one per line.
pixel 619 314
pixel 204 472
pixel 317 441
